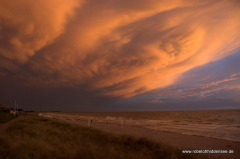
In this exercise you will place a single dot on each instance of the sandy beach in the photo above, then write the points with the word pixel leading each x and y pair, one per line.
pixel 183 141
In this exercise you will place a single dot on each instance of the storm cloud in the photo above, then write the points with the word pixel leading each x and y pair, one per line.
pixel 115 48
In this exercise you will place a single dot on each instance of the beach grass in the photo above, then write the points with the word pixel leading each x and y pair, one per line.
pixel 39 137
pixel 5 116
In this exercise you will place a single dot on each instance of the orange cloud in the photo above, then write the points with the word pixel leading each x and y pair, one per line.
pixel 29 25
pixel 117 48
pixel 201 90
pixel 216 83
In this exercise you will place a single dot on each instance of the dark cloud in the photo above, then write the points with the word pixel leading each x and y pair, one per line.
pixel 117 49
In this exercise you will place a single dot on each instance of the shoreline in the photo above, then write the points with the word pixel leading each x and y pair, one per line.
pixel 182 141
pixel 228 139
pixel 149 127
pixel 220 125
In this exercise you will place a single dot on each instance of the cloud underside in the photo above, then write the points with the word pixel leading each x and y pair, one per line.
pixel 115 48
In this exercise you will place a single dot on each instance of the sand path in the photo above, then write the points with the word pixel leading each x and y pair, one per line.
pixel 7 124
pixel 186 142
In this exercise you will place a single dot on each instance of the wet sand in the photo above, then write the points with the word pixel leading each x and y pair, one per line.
pixel 185 142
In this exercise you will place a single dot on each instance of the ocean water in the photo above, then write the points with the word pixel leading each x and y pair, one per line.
pixel 224 124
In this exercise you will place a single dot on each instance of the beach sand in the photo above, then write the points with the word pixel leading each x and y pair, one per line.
pixel 183 141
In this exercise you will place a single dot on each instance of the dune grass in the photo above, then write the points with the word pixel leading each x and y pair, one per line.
pixel 5 114
pixel 38 137
pixel 4 117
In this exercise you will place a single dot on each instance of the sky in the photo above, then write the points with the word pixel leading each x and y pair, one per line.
pixel 120 55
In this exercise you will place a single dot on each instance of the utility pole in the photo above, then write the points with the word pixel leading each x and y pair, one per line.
pixel 15 107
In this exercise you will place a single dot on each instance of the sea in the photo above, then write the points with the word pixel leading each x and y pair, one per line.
pixel 223 124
